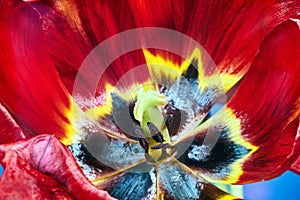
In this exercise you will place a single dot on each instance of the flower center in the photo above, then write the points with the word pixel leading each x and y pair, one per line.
pixel 153 132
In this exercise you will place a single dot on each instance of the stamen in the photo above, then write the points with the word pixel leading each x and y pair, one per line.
pixel 155 133
pixel 144 143
pixel 162 146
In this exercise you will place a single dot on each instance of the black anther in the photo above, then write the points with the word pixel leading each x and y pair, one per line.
pixel 155 133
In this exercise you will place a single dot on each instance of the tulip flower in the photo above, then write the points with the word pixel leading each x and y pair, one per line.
pixel 146 126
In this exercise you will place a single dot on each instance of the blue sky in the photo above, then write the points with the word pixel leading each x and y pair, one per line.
pixel 283 187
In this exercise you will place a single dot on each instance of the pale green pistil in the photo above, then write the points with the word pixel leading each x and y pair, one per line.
pixel 147 110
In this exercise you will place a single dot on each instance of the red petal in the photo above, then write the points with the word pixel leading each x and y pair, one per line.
pixel 48 168
pixel 296 165
pixel 256 132
pixel 74 28
pixel 10 131
pixel 115 17
pixel 231 31
pixel 20 181
pixel 267 103
pixel 30 87
pixel 66 39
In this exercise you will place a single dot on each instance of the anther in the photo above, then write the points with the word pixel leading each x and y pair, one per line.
pixel 144 143
pixel 161 146
pixel 155 133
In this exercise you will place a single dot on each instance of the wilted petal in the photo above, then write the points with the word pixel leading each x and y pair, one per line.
pixel 20 181
pixel 10 130
pixel 47 166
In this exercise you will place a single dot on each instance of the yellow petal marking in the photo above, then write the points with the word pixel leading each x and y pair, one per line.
pixel 70 131
pixel 160 66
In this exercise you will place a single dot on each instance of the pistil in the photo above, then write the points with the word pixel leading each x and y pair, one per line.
pixel 152 122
